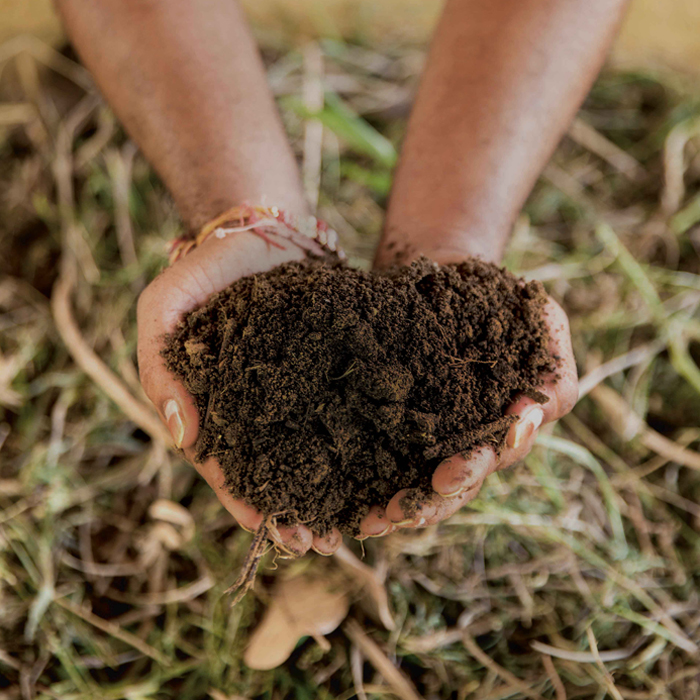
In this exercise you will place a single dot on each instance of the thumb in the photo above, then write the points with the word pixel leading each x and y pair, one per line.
pixel 185 286
pixel 156 316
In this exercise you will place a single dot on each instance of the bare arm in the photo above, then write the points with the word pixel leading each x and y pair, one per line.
pixel 504 78
pixel 186 80
pixel 503 81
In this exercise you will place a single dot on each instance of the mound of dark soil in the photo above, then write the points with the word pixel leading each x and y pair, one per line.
pixel 323 389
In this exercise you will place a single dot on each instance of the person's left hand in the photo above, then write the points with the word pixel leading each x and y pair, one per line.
pixel 180 288
pixel 457 480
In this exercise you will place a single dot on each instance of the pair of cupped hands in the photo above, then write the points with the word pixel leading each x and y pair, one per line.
pixel 216 264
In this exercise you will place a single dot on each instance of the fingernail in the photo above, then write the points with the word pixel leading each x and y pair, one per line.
pixel 455 490
pixel 419 517
pixel 323 554
pixel 383 532
pixel 529 421
pixel 173 417
pixel 458 482
pixel 462 490
pixel 454 494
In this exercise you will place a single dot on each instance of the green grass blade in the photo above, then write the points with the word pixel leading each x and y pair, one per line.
pixel 582 456
pixel 686 217
pixel 681 359
pixel 359 134
pixel 379 181
pixel 631 267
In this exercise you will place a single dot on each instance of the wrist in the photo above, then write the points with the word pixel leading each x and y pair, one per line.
pixel 401 245
pixel 271 224
pixel 213 196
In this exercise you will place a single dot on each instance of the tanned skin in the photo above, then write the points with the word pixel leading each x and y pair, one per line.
pixel 502 83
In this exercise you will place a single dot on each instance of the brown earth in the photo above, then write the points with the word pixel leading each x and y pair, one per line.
pixel 323 389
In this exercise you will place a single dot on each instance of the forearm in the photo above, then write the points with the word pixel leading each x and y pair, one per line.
pixel 186 80
pixel 504 79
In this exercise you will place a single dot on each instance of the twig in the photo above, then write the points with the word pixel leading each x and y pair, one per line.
pixel 609 682
pixel 475 650
pixel 356 662
pixel 551 670
pixel 10 661
pixel 51 58
pixel 17 113
pixel 674 164
pixel 113 630
pixel 258 548
pixel 393 676
pixel 670 632
pixel 312 93
pixel 618 364
pixel 86 358
pixel 119 166
pixel 581 657
pixel 180 594
pixel 466 360
pixel 585 135
pixel 628 425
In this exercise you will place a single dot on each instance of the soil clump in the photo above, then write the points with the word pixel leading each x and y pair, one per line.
pixel 324 389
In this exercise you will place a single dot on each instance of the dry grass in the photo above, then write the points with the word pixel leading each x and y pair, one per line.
pixel 574 575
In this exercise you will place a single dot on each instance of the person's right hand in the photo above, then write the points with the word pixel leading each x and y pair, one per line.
pixel 185 286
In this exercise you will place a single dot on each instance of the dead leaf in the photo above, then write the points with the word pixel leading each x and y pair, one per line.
pixel 299 607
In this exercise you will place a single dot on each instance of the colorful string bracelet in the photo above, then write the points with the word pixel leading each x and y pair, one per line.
pixel 271 224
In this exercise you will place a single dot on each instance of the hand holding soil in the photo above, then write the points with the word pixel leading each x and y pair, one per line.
pixel 458 480
pixel 328 410
pixel 185 286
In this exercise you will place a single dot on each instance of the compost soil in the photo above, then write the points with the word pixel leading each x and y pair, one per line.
pixel 324 389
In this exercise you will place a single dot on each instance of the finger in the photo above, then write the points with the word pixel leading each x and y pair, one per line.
pixel 375 523
pixel 458 474
pixel 298 538
pixel 403 510
pixel 530 416
pixel 184 286
pixel 327 544
pixel 248 517
pixel 560 386
pixel 447 507
pixel 160 307
pixel 512 453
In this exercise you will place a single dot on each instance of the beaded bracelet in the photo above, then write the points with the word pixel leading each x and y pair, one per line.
pixel 309 233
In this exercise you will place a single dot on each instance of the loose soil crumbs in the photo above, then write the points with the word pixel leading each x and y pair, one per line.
pixel 324 389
